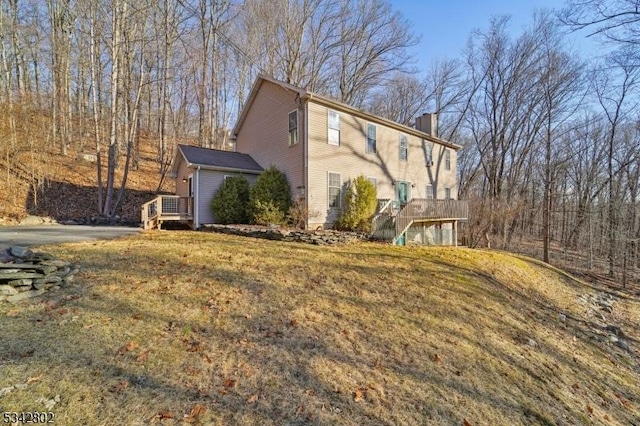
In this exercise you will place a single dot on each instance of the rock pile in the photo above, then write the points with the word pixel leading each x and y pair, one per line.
pixel 319 237
pixel 25 273
pixel 598 304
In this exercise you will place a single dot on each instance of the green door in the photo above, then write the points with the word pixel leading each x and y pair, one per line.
pixel 403 192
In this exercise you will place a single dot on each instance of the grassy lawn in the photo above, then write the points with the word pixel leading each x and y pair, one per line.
pixel 173 327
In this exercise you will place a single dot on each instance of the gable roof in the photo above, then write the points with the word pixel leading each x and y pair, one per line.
pixel 307 96
pixel 216 159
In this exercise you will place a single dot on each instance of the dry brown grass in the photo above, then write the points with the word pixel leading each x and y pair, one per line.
pixel 173 327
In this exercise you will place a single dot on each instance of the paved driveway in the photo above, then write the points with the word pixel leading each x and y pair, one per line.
pixel 56 234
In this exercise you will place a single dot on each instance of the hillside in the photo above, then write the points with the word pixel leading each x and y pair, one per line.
pixel 61 187
pixel 173 327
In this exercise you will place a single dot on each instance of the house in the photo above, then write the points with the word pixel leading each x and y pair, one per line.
pixel 320 144
pixel 198 173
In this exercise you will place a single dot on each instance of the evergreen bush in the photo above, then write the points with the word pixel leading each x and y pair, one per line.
pixel 230 204
pixel 360 203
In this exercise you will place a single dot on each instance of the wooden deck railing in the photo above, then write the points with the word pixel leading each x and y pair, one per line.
pixel 426 210
pixel 166 207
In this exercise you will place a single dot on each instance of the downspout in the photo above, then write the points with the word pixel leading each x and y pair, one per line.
pixel 196 200
pixel 305 161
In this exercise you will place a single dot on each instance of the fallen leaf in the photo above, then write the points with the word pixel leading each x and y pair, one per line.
pixel 197 411
pixel 299 410
pixel 436 358
pixel 143 357
pixel 589 409
pixel 131 346
pixel 465 422
pixel 166 414
pixel 229 383
pixel 358 395
pixel 118 388
pixel 253 398
pixel 33 380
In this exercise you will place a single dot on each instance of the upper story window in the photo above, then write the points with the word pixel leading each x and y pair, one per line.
pixel 373 181
pixel 293 127
pixel 333 131
pixel 404 148
pixel 447 159
pixel 371 138
pixel 428 153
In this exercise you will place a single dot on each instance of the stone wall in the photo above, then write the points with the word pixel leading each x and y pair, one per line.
pixel 319 237
pixel 25 273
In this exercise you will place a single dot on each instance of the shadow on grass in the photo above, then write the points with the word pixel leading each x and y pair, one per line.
pixel 280 333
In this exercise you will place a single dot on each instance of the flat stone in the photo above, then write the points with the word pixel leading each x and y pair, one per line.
pixel 21 275
pixel 8 271
pixel 20 283
pixel 25 295
pixel 623 344
pixel 7 290
pixel 56 263
pixel 44 282
pixel 19 251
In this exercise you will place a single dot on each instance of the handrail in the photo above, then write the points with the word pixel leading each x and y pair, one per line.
pixel 165 206
pixel 384 204
pixel 423 210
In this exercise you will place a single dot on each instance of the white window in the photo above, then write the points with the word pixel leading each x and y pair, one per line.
pixel 428 153
pixel 429 192
pixel 293 127
pixel 371 138
pixel 333 133
pixel 373 181
pixel 404 149
pixel 334 189
pixel 447 159
pixel 447 193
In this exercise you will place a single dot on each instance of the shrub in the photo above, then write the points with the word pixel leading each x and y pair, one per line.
pixel 359 206
pixel 265 213
pixel 230 203
pixel 270 197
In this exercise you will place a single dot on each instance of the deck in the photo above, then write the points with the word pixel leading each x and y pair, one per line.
pixel 165 208
pixel 392 221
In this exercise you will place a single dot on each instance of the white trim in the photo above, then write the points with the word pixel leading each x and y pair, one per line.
pixel 329 128
pixel 297 128
pixel 196 200
pixel 406 147
pixel 329 207
pixel 366 139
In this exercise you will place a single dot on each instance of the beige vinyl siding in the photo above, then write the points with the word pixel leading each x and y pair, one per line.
pixel 182 188
pixel 264 133
pixel 210 181
pixel 350 159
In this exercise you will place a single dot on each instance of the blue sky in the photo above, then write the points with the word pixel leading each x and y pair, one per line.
pixel 445 26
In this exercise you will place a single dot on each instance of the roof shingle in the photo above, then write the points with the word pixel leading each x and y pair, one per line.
pixel 218 158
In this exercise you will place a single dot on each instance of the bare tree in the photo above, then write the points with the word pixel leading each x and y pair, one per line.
pixel 614 20
pixel 613 91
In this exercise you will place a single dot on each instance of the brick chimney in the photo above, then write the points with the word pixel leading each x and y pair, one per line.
pixel 428 123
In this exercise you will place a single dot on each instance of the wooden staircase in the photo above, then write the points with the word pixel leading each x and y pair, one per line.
pixel 167 208
pixel 392 222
